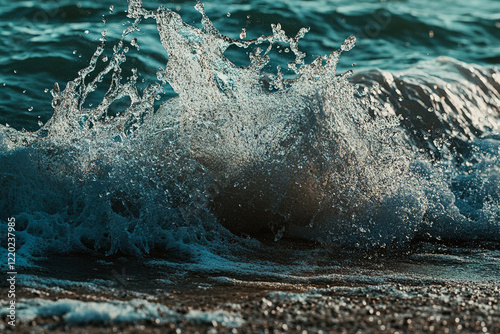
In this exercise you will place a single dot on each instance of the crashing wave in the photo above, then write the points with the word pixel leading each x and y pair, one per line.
pixel 240 151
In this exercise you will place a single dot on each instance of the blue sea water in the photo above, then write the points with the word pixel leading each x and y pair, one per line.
pixel 210 138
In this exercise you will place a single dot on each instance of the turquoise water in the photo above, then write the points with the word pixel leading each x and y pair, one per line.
pixel 191 146
pixel 39 38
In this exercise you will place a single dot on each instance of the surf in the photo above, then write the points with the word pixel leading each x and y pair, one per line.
pixel 297 152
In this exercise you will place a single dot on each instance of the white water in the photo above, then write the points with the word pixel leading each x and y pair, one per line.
pixel 239 150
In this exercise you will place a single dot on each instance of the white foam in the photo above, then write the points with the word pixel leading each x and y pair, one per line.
pixel 218 316
pixel 81 312
pixel 114 311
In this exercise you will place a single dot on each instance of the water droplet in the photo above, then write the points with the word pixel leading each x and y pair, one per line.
pixel 200 7
pixel 134 43
pixel 349 43
pixel 15 71
pixel 86 32
pixel 125 49
pixel 105 58
pixel 228 14
pixel 243 33
pixel 431 34
pixel 30 108
pixel 111 8
pixel 400 99
pixel 46 90
pixel 24 91
pixel 40 123
pixel 430 109
pixel 4 84
pixel 74 52
pixel 279 234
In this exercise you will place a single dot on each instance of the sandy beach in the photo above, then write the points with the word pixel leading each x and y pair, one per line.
pixel 238 306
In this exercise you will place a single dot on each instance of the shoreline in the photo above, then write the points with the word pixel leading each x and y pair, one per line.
pixel 249 307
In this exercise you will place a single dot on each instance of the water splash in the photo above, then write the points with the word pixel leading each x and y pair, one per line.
pixel 236 150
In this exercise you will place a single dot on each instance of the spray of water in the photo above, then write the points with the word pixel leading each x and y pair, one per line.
pixel 237 151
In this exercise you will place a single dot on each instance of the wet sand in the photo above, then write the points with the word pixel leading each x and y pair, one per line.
pixel 271 307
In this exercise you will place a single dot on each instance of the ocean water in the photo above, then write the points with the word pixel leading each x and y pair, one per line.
pixel 275 140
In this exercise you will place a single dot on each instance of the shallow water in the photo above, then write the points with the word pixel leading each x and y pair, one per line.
pixel 233 142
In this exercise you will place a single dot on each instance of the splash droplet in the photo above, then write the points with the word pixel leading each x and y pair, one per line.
pixel 279 234
pixel 200 7
pixel 111 8
pixel 134 43
pixel 228 14
pixel 243 33
pixel 349 43
pixel 86 32
pixel 30 108
pixel 46 90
